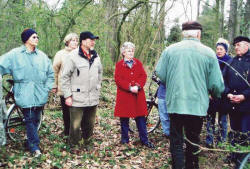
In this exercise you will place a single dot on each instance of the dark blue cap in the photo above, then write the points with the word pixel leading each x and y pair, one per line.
pixel 26 34
pixel 87 35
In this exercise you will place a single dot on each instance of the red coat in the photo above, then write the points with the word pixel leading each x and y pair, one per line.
pixel 129 104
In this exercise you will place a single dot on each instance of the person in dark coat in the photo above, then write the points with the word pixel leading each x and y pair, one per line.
pixel 215 105
pixel 130 78
pixel 237 92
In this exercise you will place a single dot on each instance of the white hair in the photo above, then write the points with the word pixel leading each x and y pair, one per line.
pixel 191 33
pixel 69 37
pixel 127 45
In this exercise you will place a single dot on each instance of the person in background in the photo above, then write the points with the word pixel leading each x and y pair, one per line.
pixel 2 115
pixel 71 43
pixel 190 71
pixel 165 121
pixel 33 77
pixel 130 78
pixel 81 85
pixel 237 94
pixel 216 105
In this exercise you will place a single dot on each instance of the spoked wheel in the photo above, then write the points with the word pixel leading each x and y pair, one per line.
pixel 15 125
pixel 152 120
pixel 245 163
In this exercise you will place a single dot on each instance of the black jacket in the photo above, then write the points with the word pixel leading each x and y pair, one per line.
pixel 235 84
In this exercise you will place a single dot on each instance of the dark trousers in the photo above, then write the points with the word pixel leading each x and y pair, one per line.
pixel 141 126
pixel 66 116
pixel 32 118
pixel 240 124
pixel 190 126
pixel 82 121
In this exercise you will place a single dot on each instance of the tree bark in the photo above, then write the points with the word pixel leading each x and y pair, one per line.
pixel 112 7
pixel 198 9
pixel 222 8
pixel 246 31
pixel 232 23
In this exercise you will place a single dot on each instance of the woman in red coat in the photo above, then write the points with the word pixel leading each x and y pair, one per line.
pixel 130 78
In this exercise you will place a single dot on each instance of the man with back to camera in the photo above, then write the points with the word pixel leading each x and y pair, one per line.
pixel 190 71
pixel 33 77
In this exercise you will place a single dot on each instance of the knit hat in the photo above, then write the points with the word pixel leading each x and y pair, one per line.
pixel 87 35
pixel 223 42
pixel 191 25
pixel 26 34
pixel 241 38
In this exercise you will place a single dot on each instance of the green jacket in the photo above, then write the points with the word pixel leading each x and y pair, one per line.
pixel 191 72
pixel 32 73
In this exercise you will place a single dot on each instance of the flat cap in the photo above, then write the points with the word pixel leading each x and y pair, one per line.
pixel 191 25
pixel 241 38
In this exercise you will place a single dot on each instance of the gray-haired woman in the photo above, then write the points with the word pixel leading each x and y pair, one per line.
pixel 71 42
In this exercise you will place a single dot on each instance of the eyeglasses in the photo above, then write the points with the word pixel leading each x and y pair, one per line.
pixel 35 37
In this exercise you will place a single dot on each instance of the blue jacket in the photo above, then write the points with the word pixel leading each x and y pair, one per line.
pixel 32 73
pixel 235 85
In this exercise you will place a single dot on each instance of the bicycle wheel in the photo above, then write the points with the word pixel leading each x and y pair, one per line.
pixel 15 125
pixel 153 118
pixel 245 163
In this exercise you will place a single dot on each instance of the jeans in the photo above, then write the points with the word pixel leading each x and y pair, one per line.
pixel 165 121
pixel 190 126
pixel 32 118
pixel 82 120
pixel 66 116
pixel 141 125
pixel 222 137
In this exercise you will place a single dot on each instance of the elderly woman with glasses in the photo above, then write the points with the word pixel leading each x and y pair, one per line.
pixel 71 42
pixel 130 78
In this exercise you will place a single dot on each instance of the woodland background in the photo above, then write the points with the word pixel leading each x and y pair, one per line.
pixel 114 21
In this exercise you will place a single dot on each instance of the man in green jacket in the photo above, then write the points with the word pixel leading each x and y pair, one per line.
pixel 191 72
pixel 33 76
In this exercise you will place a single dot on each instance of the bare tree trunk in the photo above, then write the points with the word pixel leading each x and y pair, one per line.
pixel 232 20
pixel 112 8
pixel 198 9
pixel 222 7
pixel 246 31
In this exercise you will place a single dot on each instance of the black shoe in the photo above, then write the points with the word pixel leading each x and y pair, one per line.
pixel 124 142
pixel 149 145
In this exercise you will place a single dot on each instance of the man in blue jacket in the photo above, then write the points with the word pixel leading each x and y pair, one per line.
pixel 33 77
pixel 237 93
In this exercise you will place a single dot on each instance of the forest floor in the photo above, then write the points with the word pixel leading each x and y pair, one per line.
pixel 105 150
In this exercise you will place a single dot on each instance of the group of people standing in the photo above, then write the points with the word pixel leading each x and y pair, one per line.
pixel 191 85
pixel 197 80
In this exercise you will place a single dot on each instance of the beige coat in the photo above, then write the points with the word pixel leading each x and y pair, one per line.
pixel 59 59
pixel 82 81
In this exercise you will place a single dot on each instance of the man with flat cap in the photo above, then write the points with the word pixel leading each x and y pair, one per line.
pixel 191 72
pixel 81 84
pixel 33 77
pixel 237 92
